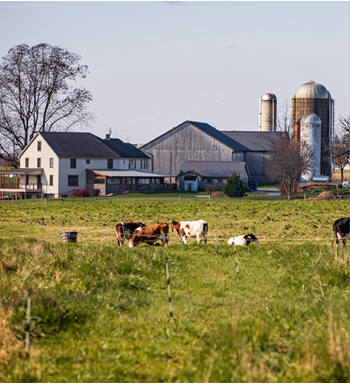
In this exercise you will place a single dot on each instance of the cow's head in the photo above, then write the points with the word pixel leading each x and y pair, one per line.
pixel 175 225
pixel 250 238
pixel 136 237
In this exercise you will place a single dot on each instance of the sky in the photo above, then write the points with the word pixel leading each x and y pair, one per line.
pixel 154 65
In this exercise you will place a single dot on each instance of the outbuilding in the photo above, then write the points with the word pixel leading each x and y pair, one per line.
pixel 197 175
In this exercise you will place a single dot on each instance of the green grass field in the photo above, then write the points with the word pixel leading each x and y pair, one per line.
pixel 100 313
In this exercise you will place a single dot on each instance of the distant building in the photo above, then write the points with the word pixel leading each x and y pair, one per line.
pixel 195 141
pixel 196 175
pixel 54 164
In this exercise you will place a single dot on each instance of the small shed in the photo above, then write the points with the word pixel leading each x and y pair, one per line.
pixel 196 175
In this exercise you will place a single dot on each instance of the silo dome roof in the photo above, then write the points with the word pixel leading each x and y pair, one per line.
pixel 269 96
pixel 310 118
pixel 312 90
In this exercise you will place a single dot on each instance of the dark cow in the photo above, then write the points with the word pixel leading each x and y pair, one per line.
pixel 243 240
pixel 341 230
pixel 150 234
pixel 126 230
pixel 185 229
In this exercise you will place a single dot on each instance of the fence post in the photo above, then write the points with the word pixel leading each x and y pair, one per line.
pixel 236 260
pixel 45 201
pixel 216 250
pixel 110 199
pixel 94 199
pixel 195 198
pixel 179 198
pixel 304 196
pixel 27 327
pixel 168 281
pixel 209 198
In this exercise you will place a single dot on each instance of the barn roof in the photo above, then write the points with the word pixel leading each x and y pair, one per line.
pixel 220 169
pixel 254 140
pixel 87 145
pixel 209 130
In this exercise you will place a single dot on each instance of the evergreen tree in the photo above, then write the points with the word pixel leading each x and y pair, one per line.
pixel 234 187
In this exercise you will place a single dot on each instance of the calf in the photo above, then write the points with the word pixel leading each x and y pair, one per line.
pixel 150 234
pixel 243 240
pixel 126 230
pixel 341 230
pixel 187 229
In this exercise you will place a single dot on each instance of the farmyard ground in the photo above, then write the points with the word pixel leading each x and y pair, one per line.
pixel 100 313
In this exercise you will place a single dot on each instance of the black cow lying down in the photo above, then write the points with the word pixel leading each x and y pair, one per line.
pixel 341 230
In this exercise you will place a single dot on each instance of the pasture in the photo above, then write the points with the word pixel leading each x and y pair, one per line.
pixel 100 313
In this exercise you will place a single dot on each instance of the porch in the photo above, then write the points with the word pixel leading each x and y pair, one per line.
pixel 12 186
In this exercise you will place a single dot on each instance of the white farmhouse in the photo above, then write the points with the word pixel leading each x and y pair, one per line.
pixel 54 164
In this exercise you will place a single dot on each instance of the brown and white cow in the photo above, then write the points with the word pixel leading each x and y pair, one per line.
pixel 150 234
pixel 187 229
pixel 126 230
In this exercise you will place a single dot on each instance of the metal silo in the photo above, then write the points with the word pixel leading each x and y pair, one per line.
pixel 314 98
pixel 310 134
pixel 268 112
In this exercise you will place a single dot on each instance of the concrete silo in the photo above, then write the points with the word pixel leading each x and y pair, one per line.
pixel 268 112
pixel 314 98
pixel 310 134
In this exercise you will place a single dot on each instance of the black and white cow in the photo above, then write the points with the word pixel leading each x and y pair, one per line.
pixel 243 240
pixel 341 230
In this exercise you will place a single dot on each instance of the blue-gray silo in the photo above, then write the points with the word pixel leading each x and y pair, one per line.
pixel 267 112
pixel 310 134
pixel 314 98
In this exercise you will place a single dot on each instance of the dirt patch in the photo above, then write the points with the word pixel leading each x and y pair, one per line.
pixel 217 194
pixel 325 195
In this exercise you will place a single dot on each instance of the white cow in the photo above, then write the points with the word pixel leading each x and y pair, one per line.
pixel 187 229
pixel 243 240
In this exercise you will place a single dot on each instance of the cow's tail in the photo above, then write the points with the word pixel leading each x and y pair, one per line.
pixel 205 225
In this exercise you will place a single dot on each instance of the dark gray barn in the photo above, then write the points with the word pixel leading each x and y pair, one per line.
pixel 195 141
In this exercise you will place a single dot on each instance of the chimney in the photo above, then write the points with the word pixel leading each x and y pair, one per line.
pixel 108 136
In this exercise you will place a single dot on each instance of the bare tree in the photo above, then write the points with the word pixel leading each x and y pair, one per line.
pixel 344 124
pixel 284 119
pixel 341 146
pixel 36 94
pixel 287 161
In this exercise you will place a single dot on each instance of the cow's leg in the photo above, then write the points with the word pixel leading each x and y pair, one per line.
pixel 199 239
pixel 339 238
pixel 184 239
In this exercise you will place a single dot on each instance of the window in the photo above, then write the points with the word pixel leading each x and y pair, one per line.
pixel 144 181
pixel 38 163
pixel 39 145
pixel 99 181
pixel 27 180
pixel 219 181
pixel 110 163
pixel 51 180
pixel 128 180
pixel 51 162
pixel 73 163
pixel 27 162
pixel 87 161
pixel 73 180
pixel 210 181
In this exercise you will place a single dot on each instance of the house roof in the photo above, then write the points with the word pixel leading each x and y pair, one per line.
pixel 223 169
pixel 23 171
pixel 254 140
pixel 209 130
pixel 127 173
pixel 125 150
pixel 87 145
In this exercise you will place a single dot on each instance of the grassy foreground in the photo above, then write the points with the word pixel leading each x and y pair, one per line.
pixel 100 313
